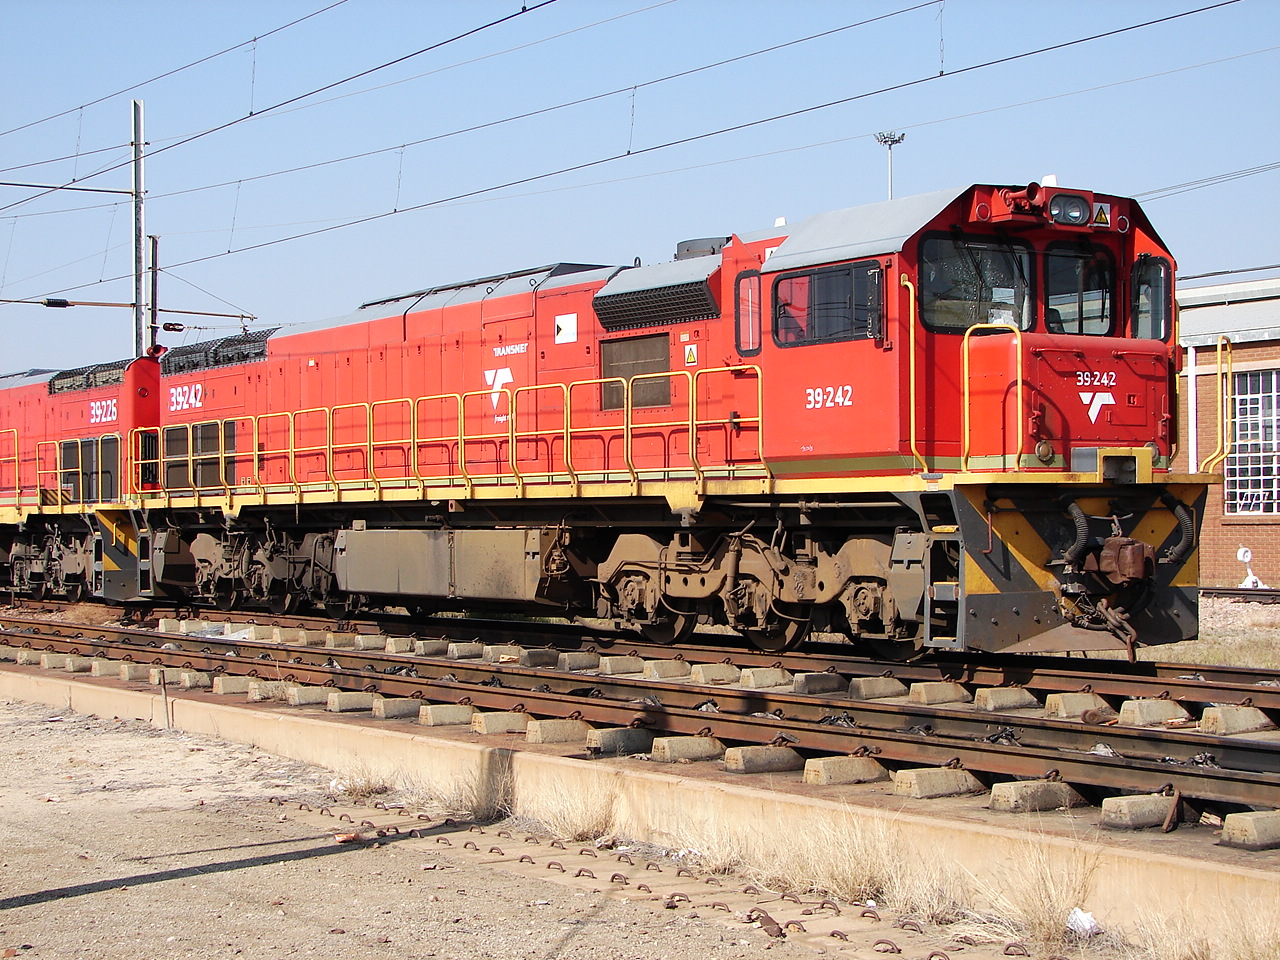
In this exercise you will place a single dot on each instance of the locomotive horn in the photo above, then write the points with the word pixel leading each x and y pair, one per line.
pixel 1024 199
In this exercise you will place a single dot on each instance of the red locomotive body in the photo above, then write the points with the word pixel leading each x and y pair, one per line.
pixel 944 421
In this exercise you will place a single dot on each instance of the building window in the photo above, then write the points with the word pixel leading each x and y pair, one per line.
pixel 1253 466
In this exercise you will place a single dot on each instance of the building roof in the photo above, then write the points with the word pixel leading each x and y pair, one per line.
pixel 1246 311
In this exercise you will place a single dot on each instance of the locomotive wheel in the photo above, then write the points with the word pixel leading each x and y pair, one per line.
pixel 281 604
pixel 785 636
pixel 227 599
pixel 39 590
pixel 76 592
pixel 676 629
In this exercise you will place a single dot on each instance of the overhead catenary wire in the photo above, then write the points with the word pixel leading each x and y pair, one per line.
pixel 1181 188
pixel 370 218
pixel 1229 273
pixel 916 125
pixel 694 138
pixel 356 93
pixel 524 9
pixel 542 111
pixel 169 73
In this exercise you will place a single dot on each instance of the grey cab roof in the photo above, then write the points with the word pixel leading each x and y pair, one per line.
pixel 1245 311
pixel 857 232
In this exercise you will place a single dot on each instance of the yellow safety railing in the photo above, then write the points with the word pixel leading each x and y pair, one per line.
pixel 10 462
pixel 598 428
pixel 686 421
pixel 52 471
pixel 1225 415
pixel 407 444
pixel 303 451
pixel 138 463
pixel 445 440
pixel 496 437
pixel 1017 386
pixel 733 422
pixel 905 281
pixel 563 434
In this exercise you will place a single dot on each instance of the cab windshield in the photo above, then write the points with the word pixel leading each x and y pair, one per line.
pixel 966 281
pixel 1079 280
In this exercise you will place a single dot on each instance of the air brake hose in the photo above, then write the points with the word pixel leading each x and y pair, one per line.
pixel 1186 524
pixel 1075 553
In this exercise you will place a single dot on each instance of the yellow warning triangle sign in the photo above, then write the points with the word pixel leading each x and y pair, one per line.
pixel 1102 215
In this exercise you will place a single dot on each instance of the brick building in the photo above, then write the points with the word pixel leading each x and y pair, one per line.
pixel 1244 511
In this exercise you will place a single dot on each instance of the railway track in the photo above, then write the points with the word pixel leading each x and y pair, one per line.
pixel 818 712
pixel 1243 594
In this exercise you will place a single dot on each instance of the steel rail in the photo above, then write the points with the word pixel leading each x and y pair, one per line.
pixel 897 733
pixel 1115 680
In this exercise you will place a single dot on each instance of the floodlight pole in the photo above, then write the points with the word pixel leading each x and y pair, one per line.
pixel 153 325
pixel 890 139
pixel 139 236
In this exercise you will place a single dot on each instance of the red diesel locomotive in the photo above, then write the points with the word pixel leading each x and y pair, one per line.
pixel 938 422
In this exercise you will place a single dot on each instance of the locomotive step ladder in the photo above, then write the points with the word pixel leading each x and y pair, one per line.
pixel 943 625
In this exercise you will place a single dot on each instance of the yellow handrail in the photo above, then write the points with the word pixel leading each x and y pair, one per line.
pixel 1017 386
pixel 687 422
pixel 245 467
pixel 905 281
pixel 1225 416
pixel 409 443
pixel 442 438
pixel 464 436
pixel 573 431
pixel 518 434
pixel 42 473
pixel 758 419
pixel 16 460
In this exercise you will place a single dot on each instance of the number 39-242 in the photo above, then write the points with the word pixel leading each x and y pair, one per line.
pixel 817 397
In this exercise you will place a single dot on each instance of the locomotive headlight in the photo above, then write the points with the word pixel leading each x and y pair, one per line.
pixel 1069 209
pixel 1044 452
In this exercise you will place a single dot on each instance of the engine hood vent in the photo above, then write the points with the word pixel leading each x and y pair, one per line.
pixel 664 293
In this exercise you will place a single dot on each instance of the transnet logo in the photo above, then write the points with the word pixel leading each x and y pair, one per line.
pixel 497 379
pixel 1095 402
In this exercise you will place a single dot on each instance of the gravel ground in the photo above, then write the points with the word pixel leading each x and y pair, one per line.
pixel 120 840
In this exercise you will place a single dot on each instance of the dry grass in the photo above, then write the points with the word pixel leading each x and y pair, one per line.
pixel 848 857
pixel 358 783
pixel 1231 634
pixel 573 814
pixel 1252 934
pixel 1036 891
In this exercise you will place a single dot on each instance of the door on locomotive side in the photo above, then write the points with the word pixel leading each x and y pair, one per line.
pixel 831 380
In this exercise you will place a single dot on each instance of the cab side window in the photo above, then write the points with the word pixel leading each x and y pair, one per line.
pixel 829 305
pixel 1152 303
pixel 748 313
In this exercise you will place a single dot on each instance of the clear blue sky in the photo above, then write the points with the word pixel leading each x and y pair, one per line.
pixel 1173 103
